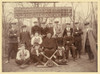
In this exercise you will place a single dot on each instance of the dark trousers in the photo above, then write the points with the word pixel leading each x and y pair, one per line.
pixel 37 58
pixel 12 51
pixel 90 53
pixel 27 45
pixel 22 62
pixel 49 52
pixel 71 49
pixel 78 45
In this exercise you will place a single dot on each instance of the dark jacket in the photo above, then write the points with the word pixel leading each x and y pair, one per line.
pixel 77 34
pixel 25 37
pixel 44 31
pixel 13 36
pixel 68 40
pixel 49 43
pixel 36 29
pixel 59 41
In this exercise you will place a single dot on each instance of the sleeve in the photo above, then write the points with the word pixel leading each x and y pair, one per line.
pixel 28 54
pixel 54 31
pixel 64 32
pixel 29 35
pixel 81 32
pixel 32 30
pixel 40 40
pixel 18 55
pixel 20 37
pixel 32 41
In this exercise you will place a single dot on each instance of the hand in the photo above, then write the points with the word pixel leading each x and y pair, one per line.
pixel 67 41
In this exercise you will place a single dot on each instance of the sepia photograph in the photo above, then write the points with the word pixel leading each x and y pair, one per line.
pixel 49 36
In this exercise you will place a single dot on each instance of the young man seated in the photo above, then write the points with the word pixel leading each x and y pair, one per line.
pixel 69 45
pixel 35 51
pixel 23 56
pixel 61 58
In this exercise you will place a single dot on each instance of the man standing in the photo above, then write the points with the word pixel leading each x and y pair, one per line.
pixel 13 42
pixel 57 29
pixel 89 42
pixel 78 40
pixel 50 29
pixel 25 37
pixel 36 28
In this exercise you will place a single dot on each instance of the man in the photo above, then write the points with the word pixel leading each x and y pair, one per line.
pixel 43 30
pixel 89 42
pixel 23 56
pixel 69 45
pixel 25 37
pixel 57 29
pixel 13 42
pixel 78 39
pixel 61 57
pixel 36 28
pixel 69 30
pixel 49 29
pixel 49 45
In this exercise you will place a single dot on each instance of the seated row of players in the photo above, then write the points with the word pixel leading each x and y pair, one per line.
pixel 43 40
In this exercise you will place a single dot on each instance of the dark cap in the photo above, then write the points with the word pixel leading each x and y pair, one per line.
pixel 35 22
pixel 12 23
pixel 24 26
pixel 56 21
pixel 76 22
pixel 43 23
pixel 50 23
pixel 86 23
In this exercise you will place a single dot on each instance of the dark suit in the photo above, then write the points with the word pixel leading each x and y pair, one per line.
pixel 13 43
pixel 25 39
pixel 69 45
pixel 78 40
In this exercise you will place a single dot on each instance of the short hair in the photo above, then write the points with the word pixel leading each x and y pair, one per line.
pixel 35 22
pixel 56 22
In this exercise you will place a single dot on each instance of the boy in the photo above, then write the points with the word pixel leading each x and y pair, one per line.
pixel 35 51
pixel 23 56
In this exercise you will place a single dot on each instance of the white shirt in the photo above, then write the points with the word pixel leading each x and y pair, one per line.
pixel 22 54
pixel 36 39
